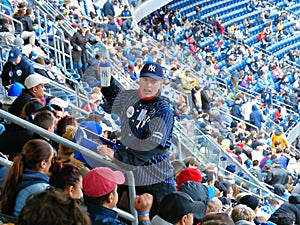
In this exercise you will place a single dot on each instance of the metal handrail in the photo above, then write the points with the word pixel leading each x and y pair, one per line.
pixel 6 7
pixel 75 147
pixel 236 118
pixel 211 146
pixel 14 20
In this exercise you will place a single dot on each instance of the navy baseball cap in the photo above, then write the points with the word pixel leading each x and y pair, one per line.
pixel 14 54
pixel 152 70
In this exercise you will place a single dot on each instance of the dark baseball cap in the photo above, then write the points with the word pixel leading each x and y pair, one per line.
pixel 14 54
pixel 177 204
pixel 59 17
pixel 152 70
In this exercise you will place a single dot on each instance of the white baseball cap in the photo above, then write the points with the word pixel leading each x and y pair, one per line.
pixel 34 80
pixel 59 102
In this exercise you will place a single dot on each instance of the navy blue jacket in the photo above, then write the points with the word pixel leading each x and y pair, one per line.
pixel 108 9
pixel 102 216
pixel 237 111
pixel 18 73
pixel 256 117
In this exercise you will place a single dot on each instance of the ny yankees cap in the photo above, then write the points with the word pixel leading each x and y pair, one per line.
pixel 152 70
pixel 14 54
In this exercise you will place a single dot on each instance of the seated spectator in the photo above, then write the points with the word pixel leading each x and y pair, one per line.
pixel 255 170
pixel 59 106
pixel 46 120
pixel 66 154
pixel 16 69
pixel 277 174
pixel 10 145
pixel 66 121
pixel 6 34
pixel 34 89
pixel 67 178
pixel 101 196
pixel 28 30
pixel 290 207
pixel 126 19
pixel 285 219
pixel 217 219
pixel 42 68
pixel 95 100
pixel 52 206
pixel 178 208
pixel 27 175
pixel 242 215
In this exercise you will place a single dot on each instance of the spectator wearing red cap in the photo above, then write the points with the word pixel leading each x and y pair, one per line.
pixel 101 196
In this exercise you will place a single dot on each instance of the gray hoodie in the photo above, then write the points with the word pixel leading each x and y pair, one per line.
pixel 157 220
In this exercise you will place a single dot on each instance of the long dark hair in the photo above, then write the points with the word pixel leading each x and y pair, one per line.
pixel 64 175
pixel 33 153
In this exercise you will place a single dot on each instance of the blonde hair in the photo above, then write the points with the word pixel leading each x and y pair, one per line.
pixel 242 212
pixel 215 205
pixel 68 152
pixel 96 90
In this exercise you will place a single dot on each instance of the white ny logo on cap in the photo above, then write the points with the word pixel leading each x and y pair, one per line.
pixel 152 68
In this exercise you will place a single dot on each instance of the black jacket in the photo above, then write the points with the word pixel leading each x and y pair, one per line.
pixel 13 139
pixel 27 23
pixel 277 175
pixel 19 103
pixel 293 206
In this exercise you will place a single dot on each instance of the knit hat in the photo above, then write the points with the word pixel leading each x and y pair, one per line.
pixel 15 89
pixel 211 192
pixel 18 41
pixel 250 201
pixel 231 168
pixel 189 174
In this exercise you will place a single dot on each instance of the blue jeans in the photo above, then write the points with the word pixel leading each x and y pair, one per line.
pixel 79 65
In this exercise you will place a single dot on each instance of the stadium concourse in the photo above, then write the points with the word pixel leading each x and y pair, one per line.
pixel 221 77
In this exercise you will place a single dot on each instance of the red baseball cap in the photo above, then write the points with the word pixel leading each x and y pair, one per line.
pixel 101 181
